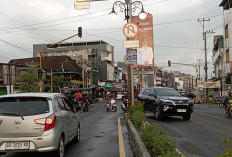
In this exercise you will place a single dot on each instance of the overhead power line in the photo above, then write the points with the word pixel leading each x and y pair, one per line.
pixel 15 46
pixel 15 22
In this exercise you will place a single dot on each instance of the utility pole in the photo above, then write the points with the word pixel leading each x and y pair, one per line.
pixel 203 20
pixel 199 67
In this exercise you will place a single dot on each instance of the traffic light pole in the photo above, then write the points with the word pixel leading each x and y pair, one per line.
pixel 42 54
pixel 169 64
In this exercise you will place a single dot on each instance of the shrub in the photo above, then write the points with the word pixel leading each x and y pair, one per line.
pixel 138 117
pixel 229 150
pixel 151 131
pixel 162 145
pixel 136 107
pixel 157 140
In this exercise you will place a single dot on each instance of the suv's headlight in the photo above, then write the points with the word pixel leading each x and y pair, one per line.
pixel 191 101
pixel 167 102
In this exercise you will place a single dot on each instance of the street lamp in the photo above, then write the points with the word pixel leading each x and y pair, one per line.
pixel 128 8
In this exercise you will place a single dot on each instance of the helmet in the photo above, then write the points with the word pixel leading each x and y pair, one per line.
pixel 84 93
pixel 108 93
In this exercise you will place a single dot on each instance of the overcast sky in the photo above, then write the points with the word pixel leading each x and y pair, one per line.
pixel 177 32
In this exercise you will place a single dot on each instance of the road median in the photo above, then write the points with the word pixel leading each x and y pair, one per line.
pixel 137 144
pixel 143 135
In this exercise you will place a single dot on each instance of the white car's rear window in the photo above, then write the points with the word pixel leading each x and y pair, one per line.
pixel 24 106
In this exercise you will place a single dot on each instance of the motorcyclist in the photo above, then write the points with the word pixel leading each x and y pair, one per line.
pixel 78 97
pixel 85 102
pixel 84 97
pixel 227 104
pixel 108 98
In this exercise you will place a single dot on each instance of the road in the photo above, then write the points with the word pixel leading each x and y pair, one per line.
pixel 99 135
pixel 202 135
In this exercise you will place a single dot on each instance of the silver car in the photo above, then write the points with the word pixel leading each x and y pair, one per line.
pixel 40 122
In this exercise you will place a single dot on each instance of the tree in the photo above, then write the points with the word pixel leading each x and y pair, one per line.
pixel 59 81
pixel 28 80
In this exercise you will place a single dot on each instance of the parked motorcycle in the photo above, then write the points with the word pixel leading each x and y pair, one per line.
pixel 111 105
pixel 124 104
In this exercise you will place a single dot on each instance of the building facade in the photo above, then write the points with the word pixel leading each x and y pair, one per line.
pixel 96 57
pixel 227 40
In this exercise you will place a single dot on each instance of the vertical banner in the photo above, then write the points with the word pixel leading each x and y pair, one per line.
pixel 145 52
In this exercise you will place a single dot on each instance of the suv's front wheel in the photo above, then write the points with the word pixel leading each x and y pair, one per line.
pixel 158 113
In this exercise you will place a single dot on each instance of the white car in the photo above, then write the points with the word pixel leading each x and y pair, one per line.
pixel 37 122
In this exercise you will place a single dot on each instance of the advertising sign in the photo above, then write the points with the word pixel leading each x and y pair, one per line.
pixel 131 44
pixel 116 78
pixel 131 56
pixel 216 84
pixel 145 52
pixel 81 5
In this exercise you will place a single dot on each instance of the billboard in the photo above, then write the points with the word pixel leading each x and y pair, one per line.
pixel 145 52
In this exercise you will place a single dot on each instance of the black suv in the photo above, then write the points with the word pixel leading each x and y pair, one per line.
pixel 164 101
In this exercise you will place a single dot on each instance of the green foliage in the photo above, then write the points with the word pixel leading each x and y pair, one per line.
pixel 155 137
pixel 59 80
pixel 136 107
pixel 226 141
pixel 229 150
pixel 161 144
pixel 151 131
pixel 138 117
pixel 28 80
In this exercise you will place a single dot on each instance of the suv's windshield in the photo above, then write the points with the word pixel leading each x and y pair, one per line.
pixel 167 92
pixel 24 106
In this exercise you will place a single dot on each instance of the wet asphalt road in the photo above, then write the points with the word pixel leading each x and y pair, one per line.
pixel 99 135
pixel 200 136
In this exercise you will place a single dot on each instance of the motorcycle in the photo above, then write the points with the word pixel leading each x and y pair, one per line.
pixel 111 105
pixel 85 106
pixel 223 101
pixel 124 104
pixel 228 109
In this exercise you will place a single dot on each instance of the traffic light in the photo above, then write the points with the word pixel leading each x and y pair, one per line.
pixel 80 32
pixel 169 63
pixel 40 74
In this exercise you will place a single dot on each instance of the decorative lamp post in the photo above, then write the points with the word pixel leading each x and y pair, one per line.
pixel 128 8
pixel 125 7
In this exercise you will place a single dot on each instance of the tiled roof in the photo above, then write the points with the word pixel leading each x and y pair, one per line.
pixel 54 62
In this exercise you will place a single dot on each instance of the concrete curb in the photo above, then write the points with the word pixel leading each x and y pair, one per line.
pixel 137 144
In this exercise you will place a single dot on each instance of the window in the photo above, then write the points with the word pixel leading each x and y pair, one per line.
pixel 147 91
pixel 226 32
pixel 61 104
pixel 167 92
pixel 24 106
pixel 227 56
pixel 67 104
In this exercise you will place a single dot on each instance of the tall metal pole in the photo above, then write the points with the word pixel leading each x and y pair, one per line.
pixel 51 82
pixel 83 74
pixel 131 70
